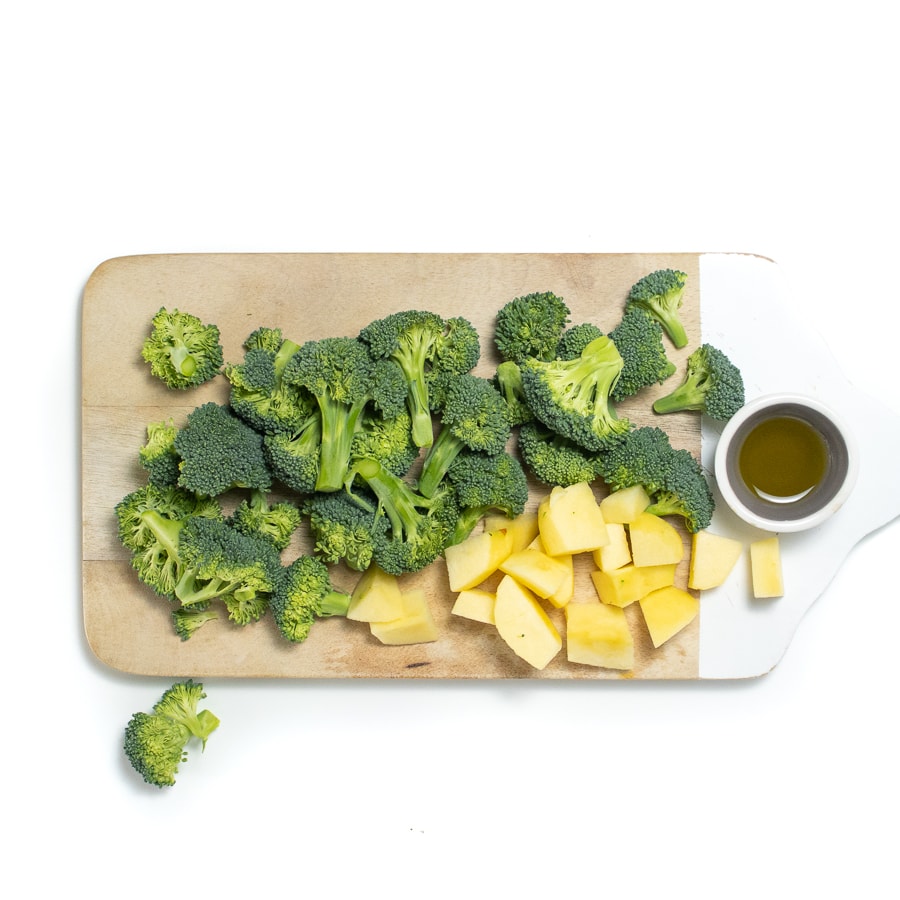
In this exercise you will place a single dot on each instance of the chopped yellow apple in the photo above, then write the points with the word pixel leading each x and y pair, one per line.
pixel 523 529
pixel 654 541
pixel 566 591
pixel 667 611
pixel 524 625
pixel 765 568
pixel 476 558
pixel 376 597
pixel 622 586
pixel 539 572
pixel 598 635
pixel 617 552
pixel 570 520
pixel 625 505
pixel 713 557
pixel 475 604
pixel 415 626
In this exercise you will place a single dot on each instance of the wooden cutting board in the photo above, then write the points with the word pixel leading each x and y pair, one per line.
pixel 312 296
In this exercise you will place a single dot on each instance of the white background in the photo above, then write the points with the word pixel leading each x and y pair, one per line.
pixel 141 128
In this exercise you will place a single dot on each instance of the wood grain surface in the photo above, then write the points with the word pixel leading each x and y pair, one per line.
pixel 311 296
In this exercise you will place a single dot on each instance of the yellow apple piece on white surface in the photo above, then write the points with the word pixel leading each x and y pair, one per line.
pixel 766 568
pixel 713 558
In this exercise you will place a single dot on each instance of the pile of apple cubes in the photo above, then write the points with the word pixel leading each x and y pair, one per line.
pixel 635 556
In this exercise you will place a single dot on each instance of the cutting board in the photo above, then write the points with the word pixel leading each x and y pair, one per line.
pixel 316 295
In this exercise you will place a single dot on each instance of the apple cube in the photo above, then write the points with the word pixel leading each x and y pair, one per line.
pixel 765 568
pixel 415 626
pixel 713 557
pixel 539 572
pixel 570 520
pixel 623 586
pixel 476 558
pixel 524 625
pixel 598 635
pixel 523 529
pixel 376 597
pixel 625 505
pixel 475 604
pixel 654 541
pixel 667 611
pixel 617 552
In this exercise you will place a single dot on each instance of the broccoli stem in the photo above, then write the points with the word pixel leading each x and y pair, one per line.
pixel 166 531
pixel 412 359
pixel 398 500
pixel 439 458
pixel 687 396
pixel 334 603
pixel 338 427
pixel 675 328
pixel 182 358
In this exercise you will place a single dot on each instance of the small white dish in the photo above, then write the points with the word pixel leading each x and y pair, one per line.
pixel 785 462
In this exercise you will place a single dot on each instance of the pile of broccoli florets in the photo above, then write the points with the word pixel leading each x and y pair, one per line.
pixel 386 447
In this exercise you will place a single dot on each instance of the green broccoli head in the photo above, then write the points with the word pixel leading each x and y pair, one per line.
pixel 661 293
pixel 530 326
pixel 572 397
pixel 305 594
pixel 576 338
pixel 273 520
pixel 344 379
pixel 508 380
pixel 639 340
pixel 552 459
pixel 343 529
pixel 712 384
pixel 474 416
pixel 410 530
pixel 293 457
pixel 219 562
pixel 158 456
pixel 387 439
pixel 673 478
pixel 182 351
pixel 219 452
pixel 156 743
pixel 187 621
pixel 486 483
pixel 259 393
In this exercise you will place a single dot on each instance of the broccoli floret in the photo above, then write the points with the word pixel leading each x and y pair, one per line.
pixel 293 457
pixel 156 743
pixel 572 397
pixel 474 416
pixel 673 478
pixel 423 344
pixel 218 562
pixel 259 393
pixel 193 560
pixel 576 338
pixel 343 378
pixel 304 595
pixel 486 483
pixel 661 294
pixel 409 530
pixel 181 350
pixel 153 550
pixel 508 380
pixel 275 521
pixel 387 439
pixel 158 456
pixel 552 459
pixel 343 529
pixel 530 327
pixel 639 340
pixel 188 620
pixel 712 384
pixel 219 451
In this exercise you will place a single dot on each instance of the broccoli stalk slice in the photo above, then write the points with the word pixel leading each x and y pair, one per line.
pixel 441 455
pixel 334 603
pixel 192 590
pixel 689 395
